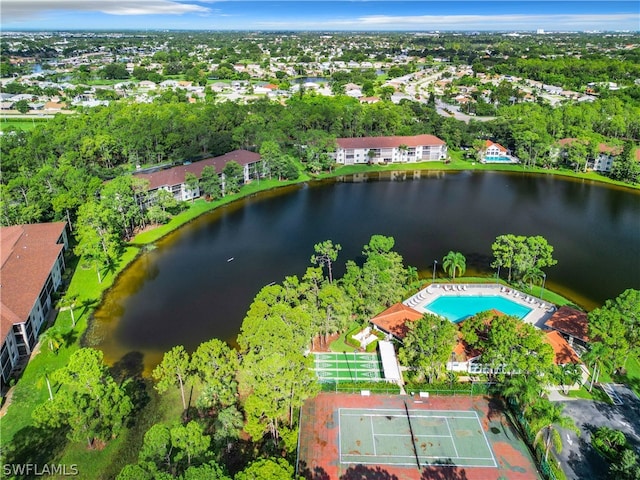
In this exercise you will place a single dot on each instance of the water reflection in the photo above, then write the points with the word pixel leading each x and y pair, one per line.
pixel 185 291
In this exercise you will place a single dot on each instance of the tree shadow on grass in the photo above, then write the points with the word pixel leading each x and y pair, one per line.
pixel 128 371
pixel 35 446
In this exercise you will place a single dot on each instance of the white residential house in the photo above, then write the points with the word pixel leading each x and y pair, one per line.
pixel 173 179
pixel 396 149
pixel 32 264
pixel 601 162
pixel 495 153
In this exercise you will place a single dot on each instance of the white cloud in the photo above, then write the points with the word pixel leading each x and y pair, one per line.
pixel 468 22
pixel 21 10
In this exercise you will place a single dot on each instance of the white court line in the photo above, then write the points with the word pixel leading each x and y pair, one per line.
pixel 413 456
pixel 453 442
pixel 405 435
pixel 340 433
pixel 373 437
pixel 401 415
pixel 469 412
pixel 495 464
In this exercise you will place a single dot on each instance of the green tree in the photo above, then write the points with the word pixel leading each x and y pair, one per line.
pixel 569 374
pixel 90 404
pixel 216 365
pixel 275 375
pixel 233 177
pixel 625 167
pixel 525 389
pixel 454 261
pixel 98 241
pixel 53 337
pixel 227 427
pixel 171 451
pixel 68 302
pixel 210 183
pixel 627 467
pixel 546 417
pixel 608 331
pixel 190 443
pixel 509 346
pixel 428 345
pixel 271 468
pixel 609 442
pixel 326 254
pixel 175 369
pixel 533 276
pixel 192 183
pixel 207 471
pixel 22 106
pixel 505 249
pixel 115 71
pixel 270 153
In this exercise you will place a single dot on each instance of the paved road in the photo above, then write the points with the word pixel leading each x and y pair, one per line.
pixel 457 114
pixel 578 460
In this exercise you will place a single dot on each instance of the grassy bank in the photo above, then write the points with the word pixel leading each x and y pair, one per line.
pixel 458 164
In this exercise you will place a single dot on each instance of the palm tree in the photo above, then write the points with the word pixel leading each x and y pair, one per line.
pixel 412 275
pixel 53 337
pixel 453 261
pixel 68 302
pixel 547 417
pixel 534 276
pixel 569 374
pixel 526 390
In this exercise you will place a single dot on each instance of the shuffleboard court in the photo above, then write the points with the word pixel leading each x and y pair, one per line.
pixel 348 367
pixel 413 437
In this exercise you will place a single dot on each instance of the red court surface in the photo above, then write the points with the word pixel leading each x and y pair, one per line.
pixel 402 437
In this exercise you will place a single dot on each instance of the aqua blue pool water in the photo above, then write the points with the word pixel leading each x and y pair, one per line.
pixel 457 308
pixel 497 159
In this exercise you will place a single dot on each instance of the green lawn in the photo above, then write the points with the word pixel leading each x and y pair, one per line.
pixel 20 441
pixel 201 206
pixel 19 124
pixel 458 164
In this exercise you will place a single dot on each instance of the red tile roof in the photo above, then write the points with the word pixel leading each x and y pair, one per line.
pixel 29 253
pixel 563 352
pixel 176 175
pixel 489 143
pixel 571 322
pixel 389 142
pixel 394 319
pixel 602 147
pixel 463 351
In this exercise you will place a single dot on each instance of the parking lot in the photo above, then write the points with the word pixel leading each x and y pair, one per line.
pixel 578 459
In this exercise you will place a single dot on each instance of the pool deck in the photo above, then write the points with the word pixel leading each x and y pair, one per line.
pixel 541 311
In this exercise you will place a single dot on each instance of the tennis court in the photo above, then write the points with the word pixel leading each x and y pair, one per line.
pixel 418 438
pixel 348 367
pixel 409 437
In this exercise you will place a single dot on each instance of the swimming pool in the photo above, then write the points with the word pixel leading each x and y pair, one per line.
pixel 491 158
pixel 457 308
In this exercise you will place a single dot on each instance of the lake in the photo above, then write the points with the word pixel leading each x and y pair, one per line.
pixel 187 290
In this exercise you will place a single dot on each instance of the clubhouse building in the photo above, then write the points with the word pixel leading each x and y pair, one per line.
pixel 31 271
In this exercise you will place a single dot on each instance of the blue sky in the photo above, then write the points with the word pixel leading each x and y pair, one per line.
pixel 328 15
